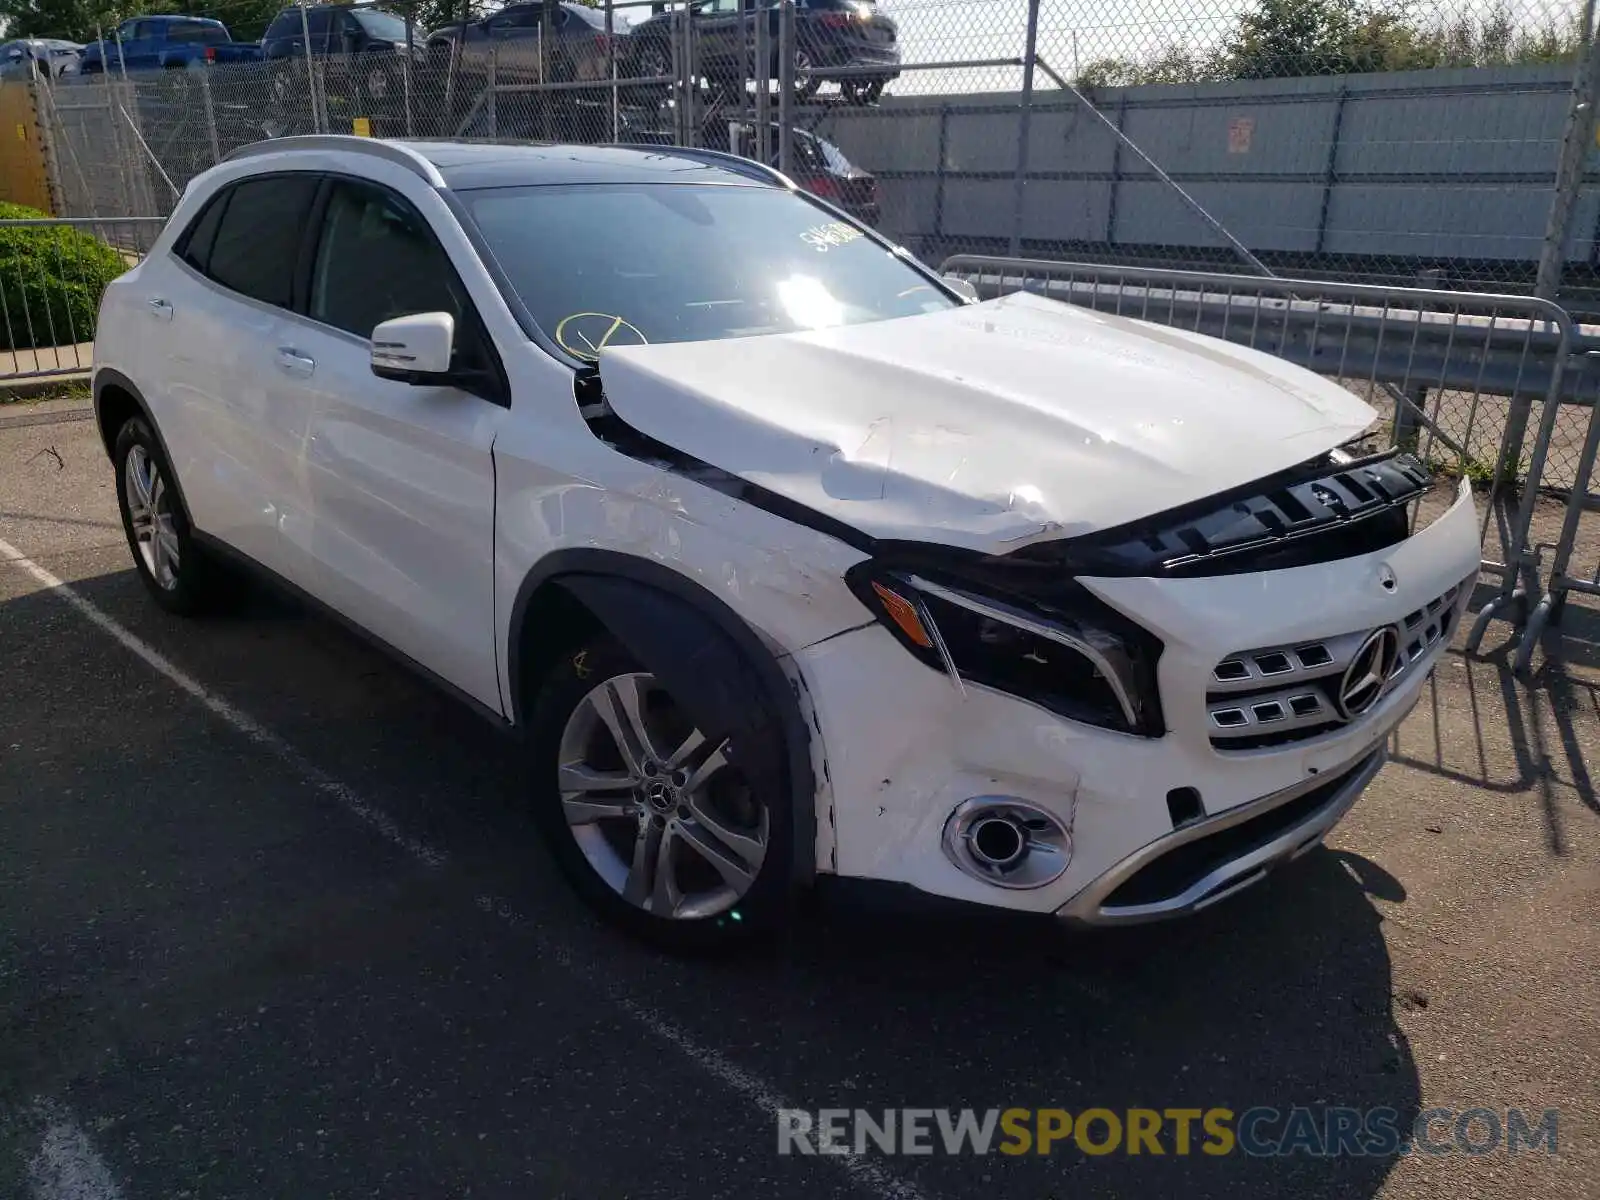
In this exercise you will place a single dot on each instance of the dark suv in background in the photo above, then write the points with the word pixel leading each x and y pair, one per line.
pixel 828 34
pixel 371 39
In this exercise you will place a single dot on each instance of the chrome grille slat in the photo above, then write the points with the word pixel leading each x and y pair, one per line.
pixel 1291 695
pixel 1245 672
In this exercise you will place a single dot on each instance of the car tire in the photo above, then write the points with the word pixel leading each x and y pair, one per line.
pixel 647 836
pixel 376 80
pixel 863 91
pixel 179 574
pixel 805 81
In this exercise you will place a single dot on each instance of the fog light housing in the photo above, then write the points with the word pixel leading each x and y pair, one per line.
pixel 1008 842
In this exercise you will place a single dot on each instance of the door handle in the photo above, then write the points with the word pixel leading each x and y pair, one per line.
pixel 295 363
pixel 160 309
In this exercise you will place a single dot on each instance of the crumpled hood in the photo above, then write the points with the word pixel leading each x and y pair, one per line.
pixel 987 426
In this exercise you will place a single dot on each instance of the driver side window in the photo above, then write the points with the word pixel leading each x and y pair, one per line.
pixel 377 259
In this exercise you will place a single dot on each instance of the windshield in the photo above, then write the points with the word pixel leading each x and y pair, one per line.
pixel 385 26
pixel 621 264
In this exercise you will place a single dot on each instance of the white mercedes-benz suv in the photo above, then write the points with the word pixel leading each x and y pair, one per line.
pixel 787 557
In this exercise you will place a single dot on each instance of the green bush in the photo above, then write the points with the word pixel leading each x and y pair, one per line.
pixel 51 278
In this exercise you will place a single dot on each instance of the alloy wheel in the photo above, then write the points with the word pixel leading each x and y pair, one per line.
pixel 150 516
pixel 660 812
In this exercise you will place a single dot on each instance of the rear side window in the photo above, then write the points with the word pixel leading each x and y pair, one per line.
pixel 283 25
pixel 257 238
pixel 195 31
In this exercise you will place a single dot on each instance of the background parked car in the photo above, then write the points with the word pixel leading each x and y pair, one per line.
pixel 817 165
pixel 821 168
pixel 577 51
pixel 828 34
pixel 54 58
pixel 144 43
pixel 370 40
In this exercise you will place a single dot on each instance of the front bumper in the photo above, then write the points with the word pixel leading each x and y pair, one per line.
pixel 900 747
pixel 1199 864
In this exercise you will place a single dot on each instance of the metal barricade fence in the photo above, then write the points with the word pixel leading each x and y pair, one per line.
pixel 52 274
pixel 1458 375
pixel 1562 583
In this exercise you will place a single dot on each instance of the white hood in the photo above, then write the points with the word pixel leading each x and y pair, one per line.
pixel 986 426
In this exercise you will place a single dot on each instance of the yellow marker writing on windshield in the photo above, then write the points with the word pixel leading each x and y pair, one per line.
pixel 583 335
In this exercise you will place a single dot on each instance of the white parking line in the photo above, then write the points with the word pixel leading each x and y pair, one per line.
pixel 67 1166
pixel 242 722
pixel 864 1171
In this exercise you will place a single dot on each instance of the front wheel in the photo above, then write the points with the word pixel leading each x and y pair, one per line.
pixel 657 825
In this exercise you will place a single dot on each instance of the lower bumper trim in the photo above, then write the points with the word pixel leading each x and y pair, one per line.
pixel 1194 867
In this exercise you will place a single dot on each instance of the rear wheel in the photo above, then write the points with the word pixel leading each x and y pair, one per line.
pixel 656 824
pixel 863 91
pixel 806 82
pixel 181 577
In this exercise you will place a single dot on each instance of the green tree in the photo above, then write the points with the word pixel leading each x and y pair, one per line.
pixel 1321 37
pixel 1293 37
pixel 79 20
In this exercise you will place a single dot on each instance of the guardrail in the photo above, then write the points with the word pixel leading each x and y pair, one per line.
pixel 52 273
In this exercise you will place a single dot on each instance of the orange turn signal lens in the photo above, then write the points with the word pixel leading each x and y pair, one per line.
pixel 904 614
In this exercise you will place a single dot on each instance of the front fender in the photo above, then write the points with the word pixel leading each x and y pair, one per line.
pixel 710 659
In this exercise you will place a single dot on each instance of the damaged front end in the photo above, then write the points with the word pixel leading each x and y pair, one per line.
pixel 1024 624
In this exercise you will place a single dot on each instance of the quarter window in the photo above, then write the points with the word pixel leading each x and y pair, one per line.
pixel 257 238
pixel 377 259
pixel 195 246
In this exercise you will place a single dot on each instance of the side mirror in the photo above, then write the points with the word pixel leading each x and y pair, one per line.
pixel 963 288
pixel 415 349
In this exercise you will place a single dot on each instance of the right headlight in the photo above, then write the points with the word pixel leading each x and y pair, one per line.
pixel 1079 665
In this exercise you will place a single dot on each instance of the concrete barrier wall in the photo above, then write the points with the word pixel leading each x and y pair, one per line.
pixel 1449 165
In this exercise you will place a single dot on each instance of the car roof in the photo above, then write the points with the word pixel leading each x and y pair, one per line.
pixel 469 165
pixel 169 18
pixel 476 165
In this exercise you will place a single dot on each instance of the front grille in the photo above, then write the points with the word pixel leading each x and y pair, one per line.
pixel 1281 694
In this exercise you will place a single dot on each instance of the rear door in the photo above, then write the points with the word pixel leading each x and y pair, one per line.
pixel 217 308
pixel 400 477
pixel 514 39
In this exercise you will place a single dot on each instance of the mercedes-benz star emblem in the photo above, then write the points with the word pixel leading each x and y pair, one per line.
pixel 1361 686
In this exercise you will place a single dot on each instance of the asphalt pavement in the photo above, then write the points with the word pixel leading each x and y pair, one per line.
pixel 273 923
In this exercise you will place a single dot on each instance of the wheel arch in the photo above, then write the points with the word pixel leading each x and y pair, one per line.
pixel 721 667
pixel 116 400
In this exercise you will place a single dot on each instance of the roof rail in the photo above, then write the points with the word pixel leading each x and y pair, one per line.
pixel 374 147
pixel 747 167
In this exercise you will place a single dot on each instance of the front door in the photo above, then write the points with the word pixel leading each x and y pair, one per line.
pixel 400 477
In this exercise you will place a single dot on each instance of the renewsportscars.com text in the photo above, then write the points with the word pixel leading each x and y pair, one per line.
pixel 1259 1132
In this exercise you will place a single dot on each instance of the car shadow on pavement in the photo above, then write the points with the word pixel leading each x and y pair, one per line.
pixel 1281 998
